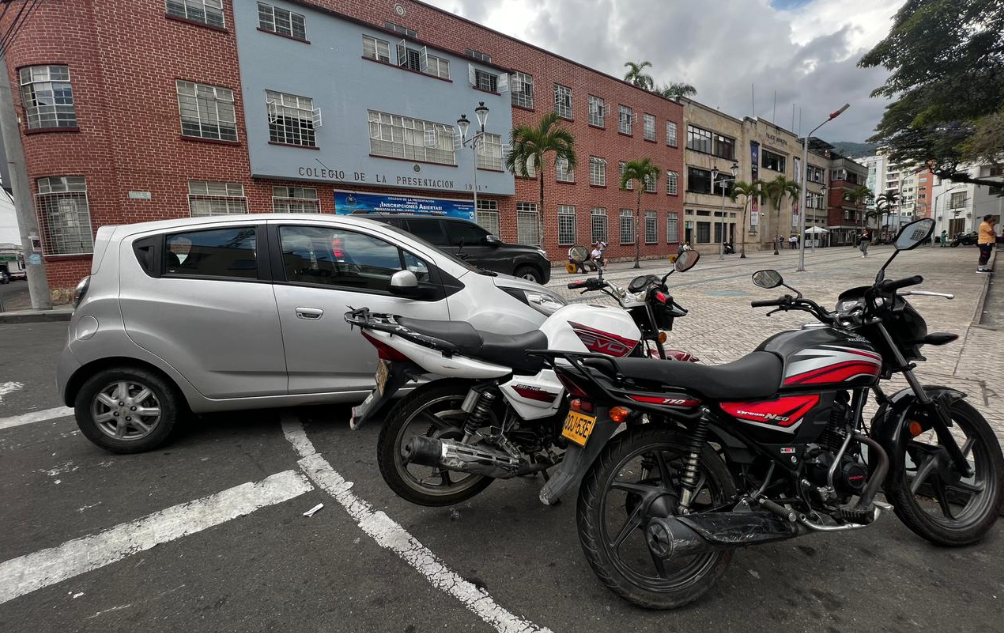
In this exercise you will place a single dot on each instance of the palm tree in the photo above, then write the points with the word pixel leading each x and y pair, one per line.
pixel 884 202
pixel 676 90
pixel 635 76
pixel 750 191
pixel 858 197
pixel 638 171
pixel 776 191
pixel 531 145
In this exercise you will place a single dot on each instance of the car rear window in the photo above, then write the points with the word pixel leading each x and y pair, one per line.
pixel 224 253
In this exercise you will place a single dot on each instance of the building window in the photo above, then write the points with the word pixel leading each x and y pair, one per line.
pixel 395 136
pixel 597 171
pixel 699 140
pixel 698 180
pixel 295 200
pixel 490 152
pixel 488 215
pixel 958 200
pixel 207 111
pixel 651 227
pixel 397 28
pixel 597 112
pixel 484 80
pixel 527 231
pixel 484 57
pixel 290 119
pixel 649 184
pixel 563 101
pixel 281 21
pixel 629 185
pixel 704 232
pixel 564 171
pixel 410 58
pixel 814 174
pixel 47 97
pixel 205 11
pixel 378 50
pixel 65 215
pixel 528 170
pixel 649 127
pixel 566 225
pixel 627 226
pixel 216 198
pixel 671 133
pixel 598 224
pixel 772 161
pixel 625 120
pixel 725 147
pixel 437 66
pixel 521 88
pixel 672 228
pixel 672 183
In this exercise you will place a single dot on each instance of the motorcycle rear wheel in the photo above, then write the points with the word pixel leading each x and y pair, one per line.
pixel 432 409
pixel 616 549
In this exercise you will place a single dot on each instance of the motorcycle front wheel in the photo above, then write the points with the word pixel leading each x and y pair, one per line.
pixel 636 478
pixel 432 410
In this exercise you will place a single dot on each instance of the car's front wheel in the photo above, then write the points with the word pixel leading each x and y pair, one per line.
pixel 127 409
pixel 530 273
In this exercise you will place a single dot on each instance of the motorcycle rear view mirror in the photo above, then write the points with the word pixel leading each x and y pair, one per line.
pixel 914 234
pixel 686 260
pixel 767 279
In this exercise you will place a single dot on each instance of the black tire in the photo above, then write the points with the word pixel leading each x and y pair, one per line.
pixel 90 408
pixel 954 245
pixel 591 521
pixel 980 510
pixel 399 476
pixel 530 273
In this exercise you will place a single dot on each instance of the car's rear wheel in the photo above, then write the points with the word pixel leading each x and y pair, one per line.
pixel 127 409
pixel 530 273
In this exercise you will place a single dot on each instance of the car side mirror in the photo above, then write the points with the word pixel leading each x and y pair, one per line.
pixel 404 283
pixel 493 241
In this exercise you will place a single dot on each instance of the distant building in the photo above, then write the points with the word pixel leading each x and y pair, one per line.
pixel 959 207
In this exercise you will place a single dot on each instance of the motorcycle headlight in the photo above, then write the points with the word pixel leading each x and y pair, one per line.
pixel 845 307
pixel 543 301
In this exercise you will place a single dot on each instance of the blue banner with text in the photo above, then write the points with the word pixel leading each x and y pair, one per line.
pixel 349 202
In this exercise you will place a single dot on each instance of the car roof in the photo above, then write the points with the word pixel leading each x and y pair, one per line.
pixel 243 218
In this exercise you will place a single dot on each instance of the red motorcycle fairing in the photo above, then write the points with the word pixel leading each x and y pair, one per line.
pixel 824 358
pixel 601 342
pixel 673 400
pixel 783 414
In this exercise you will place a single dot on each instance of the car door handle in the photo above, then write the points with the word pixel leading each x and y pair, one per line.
pixel 309 313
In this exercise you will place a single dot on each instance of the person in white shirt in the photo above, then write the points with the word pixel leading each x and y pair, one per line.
pixel 597 253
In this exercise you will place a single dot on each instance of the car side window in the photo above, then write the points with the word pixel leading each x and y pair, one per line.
pixel 470 233
pixel 337 257
pixel 224 253
pixel 430 230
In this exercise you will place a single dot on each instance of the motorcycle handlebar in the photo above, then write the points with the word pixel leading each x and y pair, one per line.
pixel 576 284
pixel 768 303
pixel 892 286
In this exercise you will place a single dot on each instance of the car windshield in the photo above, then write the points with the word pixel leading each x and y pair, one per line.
pixel 453 259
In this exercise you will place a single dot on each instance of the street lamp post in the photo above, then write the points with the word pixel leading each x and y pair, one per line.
pixel 714 179
pixel 815 235
pixel 482 113
pixel 801 195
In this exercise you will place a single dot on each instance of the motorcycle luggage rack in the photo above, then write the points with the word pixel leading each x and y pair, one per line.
pixel 366 320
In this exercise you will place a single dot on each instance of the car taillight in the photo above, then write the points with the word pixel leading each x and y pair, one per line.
pixel 385 351
pixel 571 387
pixel 81 290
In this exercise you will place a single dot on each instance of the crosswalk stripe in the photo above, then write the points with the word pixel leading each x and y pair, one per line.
pixel 35 416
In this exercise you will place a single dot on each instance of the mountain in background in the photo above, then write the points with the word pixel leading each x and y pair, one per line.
pixel 855 150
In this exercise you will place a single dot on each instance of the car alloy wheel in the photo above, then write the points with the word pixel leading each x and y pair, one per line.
pixel 126 410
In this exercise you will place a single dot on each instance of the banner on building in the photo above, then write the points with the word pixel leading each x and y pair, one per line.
pixel 795 207
pixel 754 173
pixel 754 220
pixel 348 202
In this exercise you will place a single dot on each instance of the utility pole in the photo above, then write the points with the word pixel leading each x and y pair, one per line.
pixel 38 283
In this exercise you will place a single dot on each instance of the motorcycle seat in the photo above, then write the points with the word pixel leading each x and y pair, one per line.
pixel 508 350
pixel 754 376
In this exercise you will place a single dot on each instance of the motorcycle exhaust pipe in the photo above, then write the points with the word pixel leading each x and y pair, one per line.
pixel 715 531
pixel 464 458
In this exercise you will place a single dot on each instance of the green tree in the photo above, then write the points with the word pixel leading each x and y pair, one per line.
pixel 884 203
pixel 946 63
pixel 749 191
pixel 638 171
pixel 776 191
pixel 676 90
pixel 532 145
pixel 636 76
pixel 859 197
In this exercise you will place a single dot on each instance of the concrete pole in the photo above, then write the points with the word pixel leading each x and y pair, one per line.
pixel 38 283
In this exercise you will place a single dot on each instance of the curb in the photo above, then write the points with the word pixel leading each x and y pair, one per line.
pixel 36 316
pixel 978 316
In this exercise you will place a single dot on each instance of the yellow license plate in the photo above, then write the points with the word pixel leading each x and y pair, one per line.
pixel 578 427
pixel 382 374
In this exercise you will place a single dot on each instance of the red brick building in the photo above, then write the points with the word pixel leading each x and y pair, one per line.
pixel 100 91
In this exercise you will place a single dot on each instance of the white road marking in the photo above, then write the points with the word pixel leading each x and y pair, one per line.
pixel 389 534
pixel 31 572
pixel 9 387
pixel 35 416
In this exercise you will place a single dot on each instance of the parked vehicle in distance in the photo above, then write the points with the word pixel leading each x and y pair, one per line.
pixel 241 312
pixel 965 239
pixel 12 262
pixel 4 277
pixel 473 243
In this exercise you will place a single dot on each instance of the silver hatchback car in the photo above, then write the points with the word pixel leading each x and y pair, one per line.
pixel 224 313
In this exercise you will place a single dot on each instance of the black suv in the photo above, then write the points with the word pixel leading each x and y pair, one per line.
pixel 473 244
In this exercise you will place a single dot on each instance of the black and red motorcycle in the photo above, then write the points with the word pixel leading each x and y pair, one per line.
pixel 772 446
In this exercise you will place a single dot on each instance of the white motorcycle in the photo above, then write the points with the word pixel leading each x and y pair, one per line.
pixel 496 412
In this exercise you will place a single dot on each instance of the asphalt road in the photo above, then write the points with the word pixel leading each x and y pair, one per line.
pixel 14 296
pixel 265 567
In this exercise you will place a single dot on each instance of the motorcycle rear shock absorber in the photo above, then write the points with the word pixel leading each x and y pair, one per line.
pixel 691 476
pixel 478 405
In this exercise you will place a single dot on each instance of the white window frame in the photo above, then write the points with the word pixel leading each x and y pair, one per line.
pixel 648 131
pixel 527 212
pixel 295 200
pixel 597 111
pixel 212 107
pixel 47 97
pixel 221 198
pixel 672 228
pixel 625 120
pixel 489 153
pixel 563 101
pixel 376 49
pixel 672 183
pixel 269 17
pixel 598 217
pixel 209 12
pixel 396 136
pixel 597 171
pixel 650 184
pixel 488 215
pixel 521 87
pixel 626 218
pixel 483 81
pixel 629 185
pixel 297 114
pixel 671 134
pixel 651 227
pixel 64 215
pixel 437 66
pixel 567 225
pixel 562 171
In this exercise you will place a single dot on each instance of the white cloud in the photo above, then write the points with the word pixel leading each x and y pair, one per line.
pixel 807 54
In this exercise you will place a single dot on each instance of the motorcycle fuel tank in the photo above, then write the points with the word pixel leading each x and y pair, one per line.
pixel 820 359
pixel 598 329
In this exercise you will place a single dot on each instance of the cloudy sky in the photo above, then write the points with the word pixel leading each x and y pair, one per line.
pixel 805 50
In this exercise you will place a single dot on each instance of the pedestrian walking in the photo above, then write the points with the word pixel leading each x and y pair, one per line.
pixel 944 238
pixel 793 242
pixel 865 240
pixel 987 239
